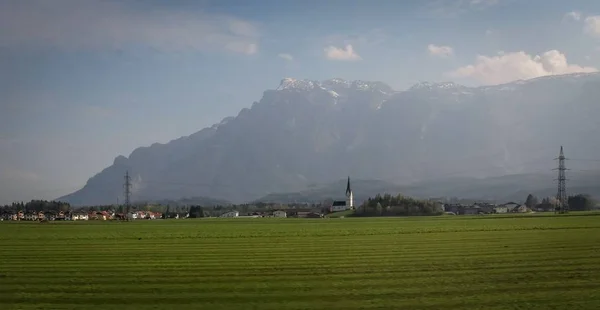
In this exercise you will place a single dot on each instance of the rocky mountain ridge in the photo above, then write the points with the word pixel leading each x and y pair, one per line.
pixel 308 131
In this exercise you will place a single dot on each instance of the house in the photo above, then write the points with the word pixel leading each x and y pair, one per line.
pixel 30 216
pixel 105 215
pixel 231 214
pixel 80 217
pixel 132 216
pixel 486 208
pixel 50 216
pixel 60 216
pixel 510 205
pixel 304 213
pixel 520 209
pixel 279 213
pixel 454 208
pixel 501 209
pixel 471 210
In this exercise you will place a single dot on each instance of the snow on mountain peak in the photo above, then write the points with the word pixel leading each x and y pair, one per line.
pixel 431 86
pixel 333 86
pixel 290 83
pixel 337 82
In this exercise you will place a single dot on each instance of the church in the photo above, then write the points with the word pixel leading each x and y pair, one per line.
pixel 341 205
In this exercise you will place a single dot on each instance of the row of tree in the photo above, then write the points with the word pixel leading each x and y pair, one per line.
pixel 388 205
pixel 36 206
pixel 579 202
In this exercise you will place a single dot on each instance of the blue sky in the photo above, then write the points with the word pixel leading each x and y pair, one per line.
pixel 83 81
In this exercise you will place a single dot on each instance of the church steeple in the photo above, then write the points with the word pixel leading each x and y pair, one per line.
pixel 348 188
pixel 349 196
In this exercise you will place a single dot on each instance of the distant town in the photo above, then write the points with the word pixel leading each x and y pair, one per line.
pixel 380 205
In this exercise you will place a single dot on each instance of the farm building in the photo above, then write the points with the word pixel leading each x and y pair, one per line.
pixel 279 213
pixel 501 209
pixel 304 213
pixel 510 205
pixel 231 214
pixel 520 209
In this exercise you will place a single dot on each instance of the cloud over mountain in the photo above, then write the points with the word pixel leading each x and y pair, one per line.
pixel 346 53
pixel 507 67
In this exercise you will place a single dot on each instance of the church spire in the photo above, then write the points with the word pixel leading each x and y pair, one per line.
pixel 348 189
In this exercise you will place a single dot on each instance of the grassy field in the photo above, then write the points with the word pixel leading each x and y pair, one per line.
pixel 448 262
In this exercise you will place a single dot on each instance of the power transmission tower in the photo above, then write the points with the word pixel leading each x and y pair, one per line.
pixel 561 195
pixel 127 188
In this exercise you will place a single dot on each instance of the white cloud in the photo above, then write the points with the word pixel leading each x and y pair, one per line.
pixel 346 53
pixel 592 25
pixel 286 56
pixel 440 51
pixel 96 24
pixel 574 15
pixel 509 67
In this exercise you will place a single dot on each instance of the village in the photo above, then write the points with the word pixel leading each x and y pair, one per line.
pixel 322 210
pixel 146 215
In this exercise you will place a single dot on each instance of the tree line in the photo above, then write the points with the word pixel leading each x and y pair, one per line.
pixel 579 202
pixel 388 205
pixel 36 206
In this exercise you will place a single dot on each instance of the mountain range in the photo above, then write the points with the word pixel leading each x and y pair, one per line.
pixel 307 132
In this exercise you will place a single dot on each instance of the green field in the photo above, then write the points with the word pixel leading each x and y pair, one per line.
pixel 447 262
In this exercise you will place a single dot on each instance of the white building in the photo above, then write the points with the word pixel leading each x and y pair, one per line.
pixel 338 205
pixel 279 213
pixel 231 214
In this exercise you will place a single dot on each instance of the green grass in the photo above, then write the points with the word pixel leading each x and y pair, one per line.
pixel 448 262
pixel 345 213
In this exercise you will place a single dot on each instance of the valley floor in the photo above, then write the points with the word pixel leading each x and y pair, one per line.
pixel 448 262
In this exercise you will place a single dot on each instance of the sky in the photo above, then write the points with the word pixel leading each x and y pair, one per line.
pixel 83 81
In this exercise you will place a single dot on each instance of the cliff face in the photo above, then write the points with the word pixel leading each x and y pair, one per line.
pixel 307 132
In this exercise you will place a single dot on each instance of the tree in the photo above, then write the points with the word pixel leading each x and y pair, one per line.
pixel 531 201
pixel 581 202
pixel 166 214
pixel 196 212
pixel 379 209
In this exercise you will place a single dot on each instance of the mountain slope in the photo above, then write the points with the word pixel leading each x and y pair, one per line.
pixel 307 132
